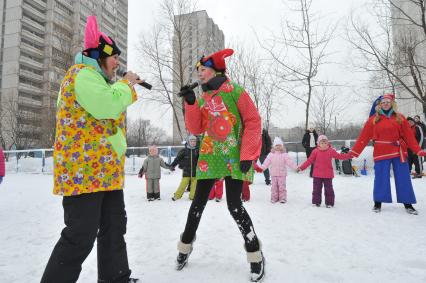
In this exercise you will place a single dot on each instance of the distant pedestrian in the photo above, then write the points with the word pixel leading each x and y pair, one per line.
pixel 309 142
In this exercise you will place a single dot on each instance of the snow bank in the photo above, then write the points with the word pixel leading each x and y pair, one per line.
pixel 301 243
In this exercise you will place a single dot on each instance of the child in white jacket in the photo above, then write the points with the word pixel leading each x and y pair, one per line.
pixel 278 160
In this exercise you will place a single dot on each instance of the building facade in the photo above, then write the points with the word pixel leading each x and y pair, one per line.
pixel 409 38
pixel 199 36
pixel 39 39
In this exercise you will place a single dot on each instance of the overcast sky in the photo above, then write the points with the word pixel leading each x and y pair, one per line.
pixel 237 19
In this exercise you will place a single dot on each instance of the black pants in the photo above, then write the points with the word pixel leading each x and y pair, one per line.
pixel 414 158
pixel 89 217
pixel 308 153
pixel 235 207
pixel 265 172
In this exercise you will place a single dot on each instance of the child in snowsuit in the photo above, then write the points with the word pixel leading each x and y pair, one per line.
pixel 152 171
pixel 187 161
pixel 323 171
pixel 278 160
pixel 217 190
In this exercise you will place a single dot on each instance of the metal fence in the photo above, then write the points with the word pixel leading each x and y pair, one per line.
pixel 41 160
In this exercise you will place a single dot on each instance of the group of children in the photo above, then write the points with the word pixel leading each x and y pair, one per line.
pixel 277 161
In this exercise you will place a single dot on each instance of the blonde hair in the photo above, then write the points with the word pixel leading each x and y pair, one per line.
pixel 395 112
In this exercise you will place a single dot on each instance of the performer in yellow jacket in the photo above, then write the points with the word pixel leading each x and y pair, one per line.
pixel 89 162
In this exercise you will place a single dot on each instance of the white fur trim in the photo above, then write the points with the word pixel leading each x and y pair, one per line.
pixel 254 256
pixel 184 248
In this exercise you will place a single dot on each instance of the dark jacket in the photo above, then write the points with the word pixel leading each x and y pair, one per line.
pixel 306 141
pixel 186 160
pixel 266 143
pixel 423 132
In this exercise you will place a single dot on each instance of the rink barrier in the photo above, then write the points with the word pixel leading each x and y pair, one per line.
pixel 16 159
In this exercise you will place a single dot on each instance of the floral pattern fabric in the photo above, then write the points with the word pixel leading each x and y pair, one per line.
pixel 221 141
pixel 84 160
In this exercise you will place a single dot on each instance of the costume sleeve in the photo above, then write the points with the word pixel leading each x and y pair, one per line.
pixel 2 164
pixel 266 162
pixel 340 156
pixel 408 136
pixel 251 142
pixel 363 139
pixel 193 118
pixel 310 160
pixel 100 99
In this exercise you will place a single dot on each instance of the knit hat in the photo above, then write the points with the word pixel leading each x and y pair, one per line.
pixel 322 137
pixel 216 60
pixel 411 119
pixel 97 44
pixel 376 102
pixel 389 96
pixel 278 141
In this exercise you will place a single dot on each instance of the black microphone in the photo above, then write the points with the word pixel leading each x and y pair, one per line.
pixel 122 73
pixel 191 86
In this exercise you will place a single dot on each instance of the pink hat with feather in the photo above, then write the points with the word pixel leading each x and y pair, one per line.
pixel 96 43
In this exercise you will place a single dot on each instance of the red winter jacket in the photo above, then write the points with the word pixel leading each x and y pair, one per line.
pixel 2 167
pixel 323 167
pixel 390 138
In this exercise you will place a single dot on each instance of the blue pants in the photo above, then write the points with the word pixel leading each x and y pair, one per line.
pixel 382 187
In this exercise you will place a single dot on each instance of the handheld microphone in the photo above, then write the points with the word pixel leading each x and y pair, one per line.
pixel 122 73
pixel 191 86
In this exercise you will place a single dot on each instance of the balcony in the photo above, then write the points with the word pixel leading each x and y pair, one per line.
pixel 34 12
pixel 33 25
pixel 29 102
pixel 39 4
pixel 30 89
pixel 66 4
pixel 32 37
pixel 32 50
pixel 31 76
pixel 30 62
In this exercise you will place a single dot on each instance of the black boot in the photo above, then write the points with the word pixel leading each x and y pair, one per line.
pixel 157 196
pixel 185 251
pixel 257 266
pixel 150 196
pixel 410 209
pixel 377 207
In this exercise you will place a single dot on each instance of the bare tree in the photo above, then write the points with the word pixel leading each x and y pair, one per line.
pixel 249 71
pixel 326 107
pixel 20 125
pixel 395 49
pixel 299 52
pixel 140 132
pixel 162 52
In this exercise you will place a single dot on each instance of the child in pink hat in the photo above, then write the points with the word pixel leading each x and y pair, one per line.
pixel 323 171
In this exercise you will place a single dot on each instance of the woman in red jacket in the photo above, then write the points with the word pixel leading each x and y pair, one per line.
pixel 391 135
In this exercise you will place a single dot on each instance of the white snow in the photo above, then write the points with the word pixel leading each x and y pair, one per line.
pixel 301 243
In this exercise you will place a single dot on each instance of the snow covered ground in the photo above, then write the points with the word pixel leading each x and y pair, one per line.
pixel 301 243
